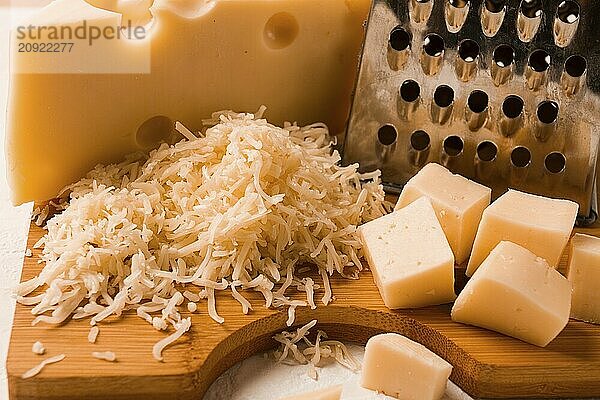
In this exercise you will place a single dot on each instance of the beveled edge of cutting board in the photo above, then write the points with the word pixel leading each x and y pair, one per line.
pixel 355 315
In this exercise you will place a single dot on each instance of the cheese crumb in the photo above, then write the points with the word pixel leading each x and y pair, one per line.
pixel 38 348
pixel 192 307
pixel 106 356
pixel 191 296
pixel 93 334
pixel 28 253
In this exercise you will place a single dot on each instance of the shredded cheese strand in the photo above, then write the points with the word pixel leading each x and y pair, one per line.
pixel 38 368
pixel 296 348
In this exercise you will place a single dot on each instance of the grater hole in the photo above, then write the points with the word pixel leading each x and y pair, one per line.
pixel 547 111
pixel 453 145
pixel 478 101
pixel 555 162
pixel 512 106
pixel 504 55
pixel 532 8
pixel 468 50
pixel 539 60
pixel 494 6
pixel 433 45
pixel 387 135
pixel 520 157
pixel 400 39
pixel 458 3
pixel 420 10
pixel 487 151
pixel 443 96
pixel 568 11
pixel 420 140
pixel 410 91
pixel 576 66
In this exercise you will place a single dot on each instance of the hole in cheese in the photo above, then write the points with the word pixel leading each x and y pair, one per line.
pixel 154 131
pixel 280 30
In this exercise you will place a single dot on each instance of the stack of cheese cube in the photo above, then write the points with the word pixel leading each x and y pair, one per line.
pixel 513 247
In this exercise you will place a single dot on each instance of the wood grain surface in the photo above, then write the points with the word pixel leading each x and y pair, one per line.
pixel 486 364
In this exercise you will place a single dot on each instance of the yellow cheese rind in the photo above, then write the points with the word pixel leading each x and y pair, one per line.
pixel 404 369
pixel 584 274
pixel 330 393
pixel 516 293
pixel 540 224
pixel 232 55
pixel 458 203
pixel 411 260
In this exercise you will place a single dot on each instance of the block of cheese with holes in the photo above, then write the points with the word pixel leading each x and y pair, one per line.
pixel 411 260
pixel 584 274
pixel 330 393
pixel 516 293
pixel 457 201
pixel 540 224
pixel 73 109
pixel 404 369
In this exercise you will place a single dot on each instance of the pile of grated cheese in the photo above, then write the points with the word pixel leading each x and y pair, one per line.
pixel 239 207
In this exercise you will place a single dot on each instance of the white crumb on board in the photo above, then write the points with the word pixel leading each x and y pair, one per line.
pixel 93 334
pixel 38 348
pixel 260 378
pixel 105 355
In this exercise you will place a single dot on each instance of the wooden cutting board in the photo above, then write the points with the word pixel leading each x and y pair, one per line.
pixel 486 364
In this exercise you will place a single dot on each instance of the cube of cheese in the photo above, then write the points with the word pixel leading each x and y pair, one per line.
pixel 584 274
pixel 516 293
pixel 401 368
pixel 540 224
pixel 457 201
pixel 330 393
pixel 411 260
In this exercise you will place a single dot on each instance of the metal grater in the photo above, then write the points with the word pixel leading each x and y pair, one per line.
pixel 504 92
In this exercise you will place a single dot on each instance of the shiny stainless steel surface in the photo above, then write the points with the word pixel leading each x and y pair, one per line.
pixel 545 53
